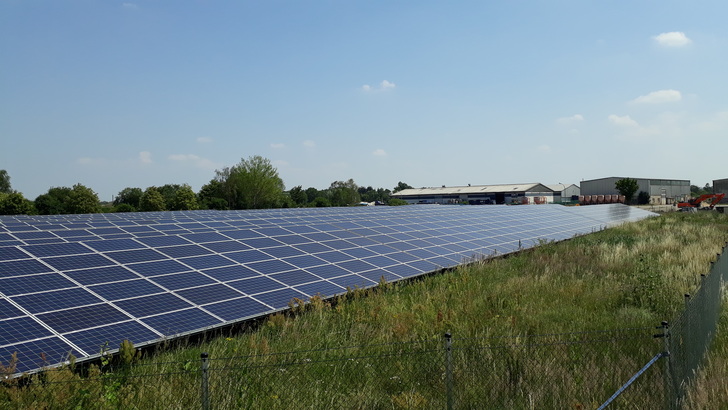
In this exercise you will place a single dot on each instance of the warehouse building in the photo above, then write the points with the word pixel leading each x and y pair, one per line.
pixel 661 191
pixel 720 186
pixel 531 193
pixel 565 193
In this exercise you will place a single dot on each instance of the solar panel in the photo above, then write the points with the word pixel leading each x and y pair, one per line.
pixel 152 305
pixel 181 322
pixel 80 284
pixel 56 300
pixel 233 309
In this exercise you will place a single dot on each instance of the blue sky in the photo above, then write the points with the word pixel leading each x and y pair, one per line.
pixel 148 92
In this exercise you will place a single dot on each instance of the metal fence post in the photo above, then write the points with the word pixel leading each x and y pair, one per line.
pixel 448 369
pixel 689 336
pixel 668 378
pixel 205 386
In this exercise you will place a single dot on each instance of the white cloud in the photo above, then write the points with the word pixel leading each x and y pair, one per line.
pixel 309 144
pixel 624 121
pixel 182 157
pixel 570 120
pixel 196 160
pixel 145 157
pixel 387 85
pixel 379 153
pixel 672 39
pixel 204 140
pixel 383 86
pixel 632 131
pixel 657 97
pixel 544 148
pixel 277 145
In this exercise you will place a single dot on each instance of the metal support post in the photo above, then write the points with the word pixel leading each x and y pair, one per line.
pixel 205 385
pixel 448 369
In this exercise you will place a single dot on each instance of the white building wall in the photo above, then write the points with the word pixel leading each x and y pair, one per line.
pixel 570 191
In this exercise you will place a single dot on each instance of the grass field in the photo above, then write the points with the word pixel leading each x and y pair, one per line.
pixel 633 276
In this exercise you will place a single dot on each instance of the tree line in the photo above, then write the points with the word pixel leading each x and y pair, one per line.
pixel 253 183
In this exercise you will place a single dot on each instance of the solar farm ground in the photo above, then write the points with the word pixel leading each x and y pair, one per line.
pixel 628 276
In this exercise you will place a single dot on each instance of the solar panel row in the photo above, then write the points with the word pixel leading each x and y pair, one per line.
pixel 77 283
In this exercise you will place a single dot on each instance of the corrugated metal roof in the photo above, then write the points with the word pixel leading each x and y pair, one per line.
pixel 474 189
pixel 638 179
pixel 560 187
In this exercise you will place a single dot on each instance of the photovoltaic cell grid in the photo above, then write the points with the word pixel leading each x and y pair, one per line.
pixel 77 283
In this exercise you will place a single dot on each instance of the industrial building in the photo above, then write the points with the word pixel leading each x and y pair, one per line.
pixel 565 193
pixel 531 193
pixel 661 191
pixel 720 186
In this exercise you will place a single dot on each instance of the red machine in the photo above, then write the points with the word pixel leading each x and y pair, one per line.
pixel 695 202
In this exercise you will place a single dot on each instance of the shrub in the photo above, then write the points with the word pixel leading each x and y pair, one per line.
pixel 643 198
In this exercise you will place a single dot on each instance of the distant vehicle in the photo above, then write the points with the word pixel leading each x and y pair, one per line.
pixel 695 203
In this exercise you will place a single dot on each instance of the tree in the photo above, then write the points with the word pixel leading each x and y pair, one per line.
pixel 298 196
pixel 5 182
pixel 344 193
pixel 14 204
pixel 82 200
pixel 320 202
pixel 130 196
pixel 696 191
pixel 63 200
pixel 396 202
pixel 54 201
pixel 370 194
pixel 311 194
pixel 286 201
pixel 627 187
pixel 184 199
pixel 124 208
pixel 151 200
pixel 251 184
pixel 401 186
pixel 211 196
pixel 169 192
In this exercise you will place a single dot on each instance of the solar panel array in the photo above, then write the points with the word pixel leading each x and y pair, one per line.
pixel 77 283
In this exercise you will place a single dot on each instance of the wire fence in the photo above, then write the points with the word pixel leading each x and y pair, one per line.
pixel 557 370
pixel 690 335
pixel 632 368
pixel 543 370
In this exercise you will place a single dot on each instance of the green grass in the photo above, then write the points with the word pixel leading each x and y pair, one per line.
pixel 631 276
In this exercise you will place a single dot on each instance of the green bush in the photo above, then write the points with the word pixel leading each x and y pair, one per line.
pixel 643 198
